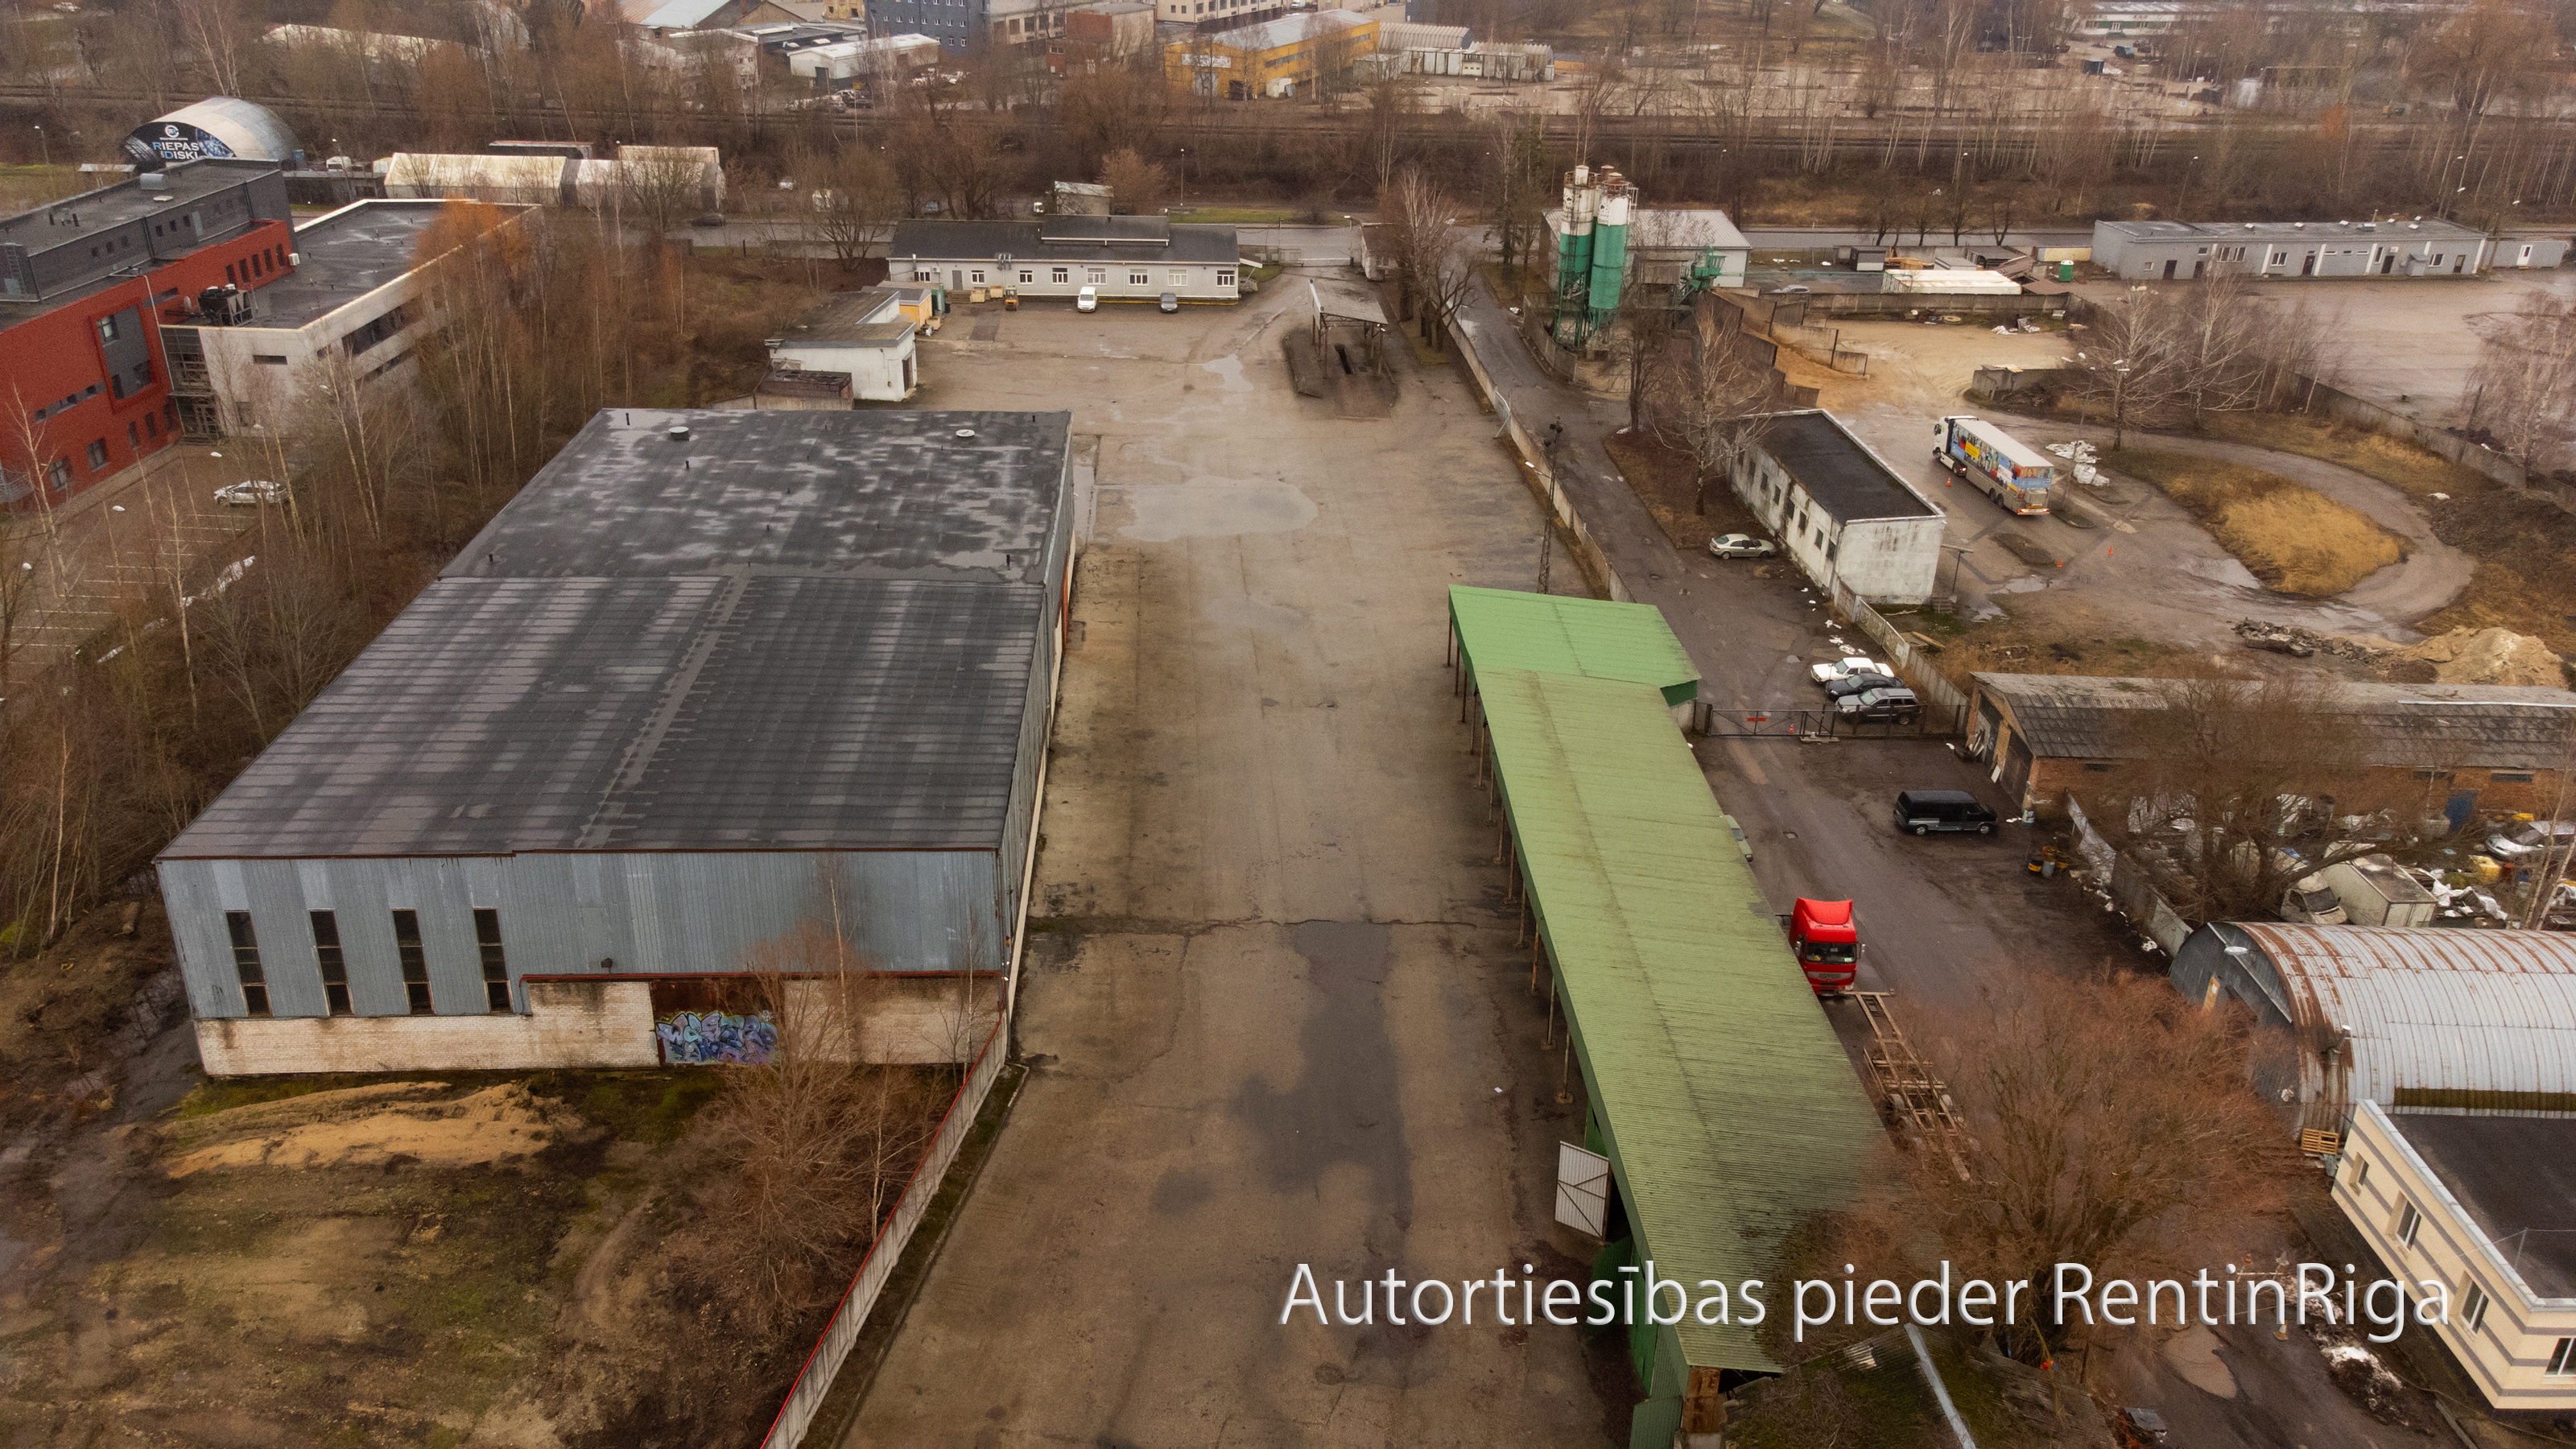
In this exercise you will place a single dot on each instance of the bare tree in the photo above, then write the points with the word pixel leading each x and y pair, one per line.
pixel 2133 364
pixel 2243 786
pixel 1137 187
pixel 1710 399
pixel 2526 382
pixel 2220 331
pixel 856 203
pixel 221 33
pixel 662 186
pixel 1435 259
pixel 2108 1122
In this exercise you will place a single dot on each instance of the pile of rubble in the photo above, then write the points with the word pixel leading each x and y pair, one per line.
pixel 2462 656
pixel 2302 643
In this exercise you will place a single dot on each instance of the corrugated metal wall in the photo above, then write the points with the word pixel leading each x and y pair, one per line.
pixel 564 913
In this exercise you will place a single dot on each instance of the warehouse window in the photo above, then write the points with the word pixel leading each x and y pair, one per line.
pixel 2432 774
pixel 2360 1171
pixel 269 359
pixel 976 277
pixel 1180 278
pixel 2563 1362
pixel 1097 275
pixel 2509 777
pixel 2409 1222
pixel 107 329
pixel 1225 279
pixel 2098 767
pixel 59 473
pixel 415 963
pixel 97 454
pixel 2473 1308
pixel 1140 279
pixel 1063 275
pixel 923 274
pixel 335 968
pixel 496 967
pixel 1027 276
pixel 254 982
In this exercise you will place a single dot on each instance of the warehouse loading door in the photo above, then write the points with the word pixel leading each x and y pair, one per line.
pixel 2016 774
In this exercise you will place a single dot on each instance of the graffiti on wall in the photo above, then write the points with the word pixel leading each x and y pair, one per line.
pixel 692 1037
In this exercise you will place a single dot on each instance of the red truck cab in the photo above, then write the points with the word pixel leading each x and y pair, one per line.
pixel 1827 943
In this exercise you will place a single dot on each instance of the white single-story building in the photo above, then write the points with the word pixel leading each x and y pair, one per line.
pixel 1839 511
pixel 863 338
pixel 354 310
pixel 1126 258
pixel 2171 251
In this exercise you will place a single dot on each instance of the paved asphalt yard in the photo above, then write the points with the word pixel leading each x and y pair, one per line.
pixel 1275 1009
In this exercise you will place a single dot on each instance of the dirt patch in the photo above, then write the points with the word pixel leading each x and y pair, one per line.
pixel 2293 538
pixel 1662 480
pixel 2063 632
pixel 2489 656
pixel 61 1007
pixel 372 1126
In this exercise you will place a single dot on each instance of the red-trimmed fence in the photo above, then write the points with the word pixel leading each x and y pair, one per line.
pixel 814 1380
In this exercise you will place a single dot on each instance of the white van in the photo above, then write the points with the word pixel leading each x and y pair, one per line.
pixel 1088 300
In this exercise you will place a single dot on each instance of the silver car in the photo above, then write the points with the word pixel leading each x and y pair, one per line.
pixel 250 494
pixel 1741 545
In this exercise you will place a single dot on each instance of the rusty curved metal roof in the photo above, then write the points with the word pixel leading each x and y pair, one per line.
pixel 2431 1007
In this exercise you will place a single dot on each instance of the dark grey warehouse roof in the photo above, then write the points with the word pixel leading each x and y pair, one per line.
pixel 2480 726
pixel 868 494
pixel 788 631
pixel 1846 479
pixel 1064 238
pixel 2513 1172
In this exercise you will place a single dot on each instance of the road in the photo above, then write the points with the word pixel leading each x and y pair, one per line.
pixel 1273 1010
pixel 1947 919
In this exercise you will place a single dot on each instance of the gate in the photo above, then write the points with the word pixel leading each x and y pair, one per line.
pixel 1764 722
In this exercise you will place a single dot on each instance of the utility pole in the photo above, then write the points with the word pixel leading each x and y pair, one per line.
pixel 2553 860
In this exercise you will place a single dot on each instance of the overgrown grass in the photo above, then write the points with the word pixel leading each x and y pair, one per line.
pixel 2519 543
pixel 2293 538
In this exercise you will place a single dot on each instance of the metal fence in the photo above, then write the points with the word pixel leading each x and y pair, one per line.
pixel 814 1381
pixel 1753 722
pixel 1534 459
pixel 1945 709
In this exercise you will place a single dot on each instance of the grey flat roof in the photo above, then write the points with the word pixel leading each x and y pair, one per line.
pixel 2476 726
pixel 791 630
pixel 61 222
pixel 1845 479
pixel 1105 239
pixel 845 317
pixel 2223 230
pixel 346 255
pixel 2512 1171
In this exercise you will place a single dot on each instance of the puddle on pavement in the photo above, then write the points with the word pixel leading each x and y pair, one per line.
pixel 1231 370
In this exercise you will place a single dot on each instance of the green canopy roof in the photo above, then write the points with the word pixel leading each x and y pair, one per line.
pixel 1729 1108
pixel 1594 638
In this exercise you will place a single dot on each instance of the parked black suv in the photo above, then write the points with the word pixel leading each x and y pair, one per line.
pixel 1851 684
pixel 1921 812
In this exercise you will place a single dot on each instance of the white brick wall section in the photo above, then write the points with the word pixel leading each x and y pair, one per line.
pixel 569 1024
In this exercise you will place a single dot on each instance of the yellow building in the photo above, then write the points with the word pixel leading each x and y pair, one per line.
pixel 1276 58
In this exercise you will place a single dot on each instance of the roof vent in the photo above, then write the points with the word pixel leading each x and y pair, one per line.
pixel 679 432
pixel 965 432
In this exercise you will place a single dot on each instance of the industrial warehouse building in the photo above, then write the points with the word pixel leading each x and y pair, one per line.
pixel 352 307
pixel 2180 250
pixel 1275 58
pixel 708 676
pixel 1122 258
pixel 2437 1068
pixel 1845 517
pixel 1726 1111
pixel 2464 749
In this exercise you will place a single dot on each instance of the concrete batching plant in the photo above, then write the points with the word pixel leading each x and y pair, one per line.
pixel 1591 254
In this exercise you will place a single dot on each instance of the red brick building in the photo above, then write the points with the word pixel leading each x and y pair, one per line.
pixel 85 284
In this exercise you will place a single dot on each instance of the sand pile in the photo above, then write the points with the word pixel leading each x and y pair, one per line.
pixel 365 1126
pixel 2488 656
